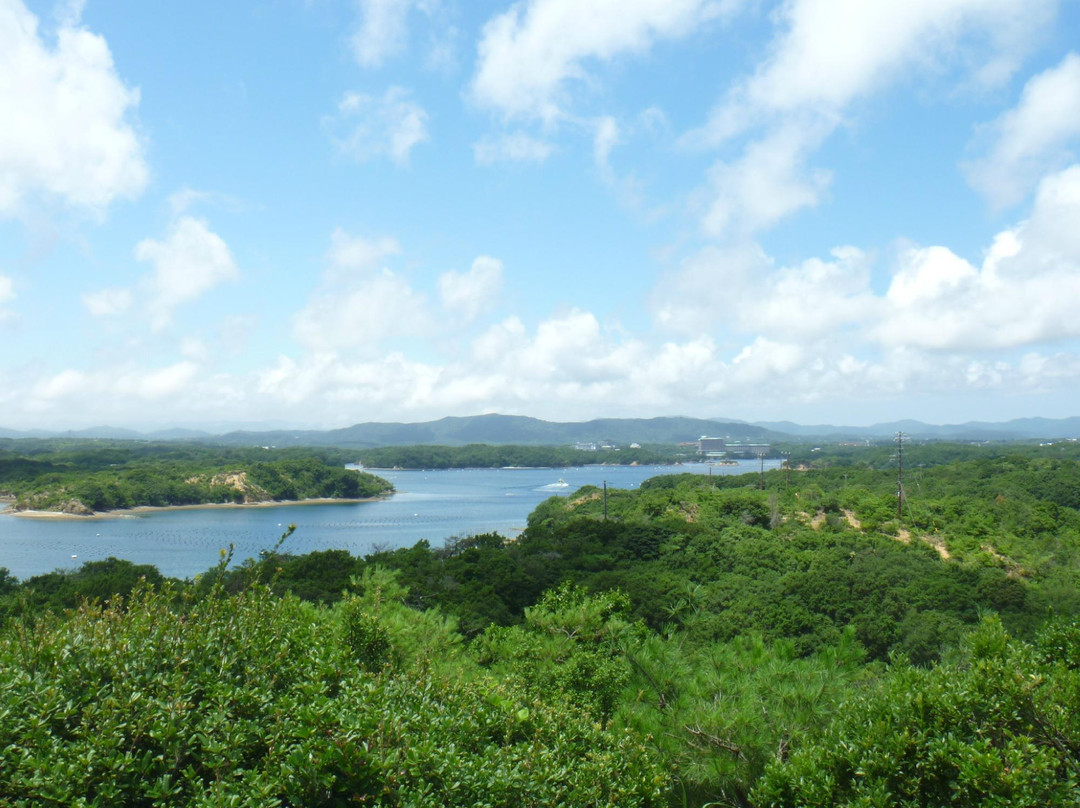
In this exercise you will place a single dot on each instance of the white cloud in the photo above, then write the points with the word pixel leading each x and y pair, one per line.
pixel 527 53
pixel 467 294
pixel 832 52
pixel 157 384
pixel 180 202
pixel 739 286
pixel 191 261
pixel 366 127
pixel 359 304
pixel 768 183
pixel 1034 137
pixel 607 137
pixel 1026 292
pixel 708 286
pixel 7 294
pixel 516 147
pixel 827 55
pixel 382 30
pixel 108 302
pixel 66 132
pixel 60 385
pixel 359 316
pixel 350 254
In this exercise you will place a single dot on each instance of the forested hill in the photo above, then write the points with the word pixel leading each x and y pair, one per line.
pixel 504 429
pixel 85 477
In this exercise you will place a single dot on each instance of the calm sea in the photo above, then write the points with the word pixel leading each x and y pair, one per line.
pixel 432 505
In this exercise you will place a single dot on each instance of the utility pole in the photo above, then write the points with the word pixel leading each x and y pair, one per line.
pixel 605 500
pixel 761 478
pixel 899 475
pixel 787 469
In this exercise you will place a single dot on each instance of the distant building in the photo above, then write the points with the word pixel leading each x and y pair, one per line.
pixel 711 447
pixel 748 449
pixel 635 445
pixel 585 447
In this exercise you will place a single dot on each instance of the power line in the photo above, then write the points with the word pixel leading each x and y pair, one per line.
pixel 899 476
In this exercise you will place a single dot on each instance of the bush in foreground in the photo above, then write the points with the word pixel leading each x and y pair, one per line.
pixel 256 700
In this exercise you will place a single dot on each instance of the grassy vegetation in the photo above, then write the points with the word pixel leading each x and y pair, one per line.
pixel 480 455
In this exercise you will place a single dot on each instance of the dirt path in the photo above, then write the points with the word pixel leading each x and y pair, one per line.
pixel 938 543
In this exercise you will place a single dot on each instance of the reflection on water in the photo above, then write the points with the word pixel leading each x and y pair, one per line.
pixel 432 505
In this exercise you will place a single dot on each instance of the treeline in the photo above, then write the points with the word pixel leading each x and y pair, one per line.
pixel 90 476
pixel 480 455
pixel 764 640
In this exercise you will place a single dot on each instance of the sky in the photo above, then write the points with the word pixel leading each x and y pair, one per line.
pixel 315 213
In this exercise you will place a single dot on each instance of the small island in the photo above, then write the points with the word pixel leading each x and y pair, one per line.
pixel 58 478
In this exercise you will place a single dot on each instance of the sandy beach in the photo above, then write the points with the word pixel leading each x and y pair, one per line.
pixel 126 513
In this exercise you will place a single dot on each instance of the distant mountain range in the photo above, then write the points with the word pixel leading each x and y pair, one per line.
pixel 519 429
pixel 1017 429
pixel 504 429
pixel 109 433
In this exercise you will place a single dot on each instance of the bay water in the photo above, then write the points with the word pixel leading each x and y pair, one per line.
pixel 433 505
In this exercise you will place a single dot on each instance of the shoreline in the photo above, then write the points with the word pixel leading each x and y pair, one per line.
pixel 130 513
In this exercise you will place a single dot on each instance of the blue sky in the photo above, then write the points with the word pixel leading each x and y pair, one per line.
pixel 321 212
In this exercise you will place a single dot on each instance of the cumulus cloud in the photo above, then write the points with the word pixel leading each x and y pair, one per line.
pixel 1032 138
pixel 67 132
pixel 1026 291
pixel 527 54
pixel 366 126
pixel 606 138
pixel 7 294
pixel 107 302
pixel 189 262
pixel 467 294
pixel 832 52
pixel 131 383
pixel 827 55
pixel 350 253
pixel 381 31
pixel 516 147
pixel 567 366
pixel 180 202
pixel 359 303
pixel 739 286
pixel 766 184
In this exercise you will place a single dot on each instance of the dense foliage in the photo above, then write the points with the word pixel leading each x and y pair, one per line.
pixel 86 476
pixel 767 640
pixel 479 455
pixel 262 701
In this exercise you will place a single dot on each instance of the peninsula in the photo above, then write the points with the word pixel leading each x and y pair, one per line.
pixel 77 479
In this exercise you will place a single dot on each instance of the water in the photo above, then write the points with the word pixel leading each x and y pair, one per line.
pixel 433 505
